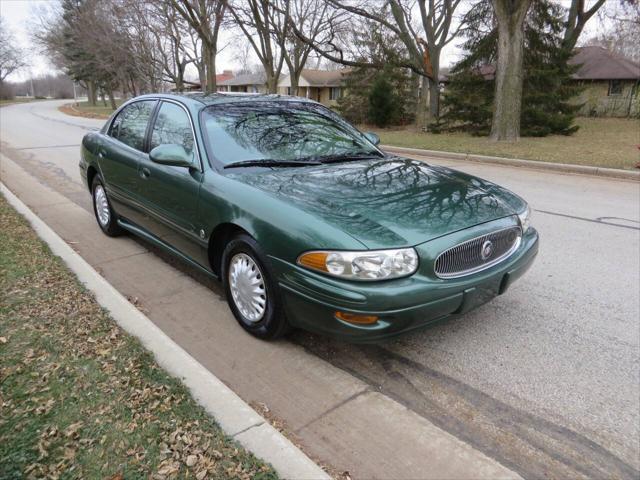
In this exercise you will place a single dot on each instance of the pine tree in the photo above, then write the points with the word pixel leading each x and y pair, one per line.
pixel 547 91
pixel 381 102
pixel 377 46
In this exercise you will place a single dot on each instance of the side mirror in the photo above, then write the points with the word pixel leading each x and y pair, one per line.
pixel 372 137
pixel 171 154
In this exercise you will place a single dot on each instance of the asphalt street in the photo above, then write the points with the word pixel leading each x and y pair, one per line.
pixel 545 379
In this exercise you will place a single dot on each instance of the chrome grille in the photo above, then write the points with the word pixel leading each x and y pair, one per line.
pixel 478 253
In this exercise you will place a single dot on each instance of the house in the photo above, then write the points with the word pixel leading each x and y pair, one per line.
pixel 220 77
pixel 610 83
pixel 249 82
pixel 324 86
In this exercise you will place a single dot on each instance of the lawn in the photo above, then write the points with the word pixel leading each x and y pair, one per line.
pixel 19 100
pixel 603 142
pixel 79 398
pixel 85 109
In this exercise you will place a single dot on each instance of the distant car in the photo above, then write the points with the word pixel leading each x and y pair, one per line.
pixel 303 219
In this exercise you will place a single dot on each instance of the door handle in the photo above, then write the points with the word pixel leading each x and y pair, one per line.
pixel 101 154
pixel 145 172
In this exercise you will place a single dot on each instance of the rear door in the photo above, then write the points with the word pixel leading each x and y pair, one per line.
pixel 171 193
pixel 120 154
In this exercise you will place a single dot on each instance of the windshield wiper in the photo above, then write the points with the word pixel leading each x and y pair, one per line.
pixel 267 162
pixel 347 157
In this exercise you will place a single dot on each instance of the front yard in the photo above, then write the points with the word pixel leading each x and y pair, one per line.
pixel 80 398
pixel 85 109
pixel 603 142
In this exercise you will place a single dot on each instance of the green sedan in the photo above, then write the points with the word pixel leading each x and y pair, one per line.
pixel 305 221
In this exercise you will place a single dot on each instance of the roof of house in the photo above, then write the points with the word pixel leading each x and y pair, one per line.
pixel 323 78
pixel 226 75
pixel 488 72
pixel 246 79
pixel 597 63
pixel 317 78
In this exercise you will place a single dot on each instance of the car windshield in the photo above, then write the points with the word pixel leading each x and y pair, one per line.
pixel 272 131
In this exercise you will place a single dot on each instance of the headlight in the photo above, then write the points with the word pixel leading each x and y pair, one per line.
pixel 364 265
pixel 525 219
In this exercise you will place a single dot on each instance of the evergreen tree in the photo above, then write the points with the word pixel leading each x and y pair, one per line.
pixel 382 103
pixel 375 45
pixel 547 106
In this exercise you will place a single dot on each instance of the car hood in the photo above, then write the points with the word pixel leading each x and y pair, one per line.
pixel 388 202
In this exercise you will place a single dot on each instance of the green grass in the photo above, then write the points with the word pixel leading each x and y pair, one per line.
pixel 79 398
pixel 85 109
pixel 19 100
pixel 603 142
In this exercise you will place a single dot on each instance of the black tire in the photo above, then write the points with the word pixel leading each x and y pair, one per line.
pixel 273 323
pixel 110 227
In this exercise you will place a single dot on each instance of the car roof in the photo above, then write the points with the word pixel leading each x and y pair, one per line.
pixel 198 99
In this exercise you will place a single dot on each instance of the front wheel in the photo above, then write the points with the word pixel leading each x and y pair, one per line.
pixel 251 291
pixel 105 215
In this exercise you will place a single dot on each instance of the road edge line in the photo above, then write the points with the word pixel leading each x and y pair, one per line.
pixel 236 418
pixel 518 162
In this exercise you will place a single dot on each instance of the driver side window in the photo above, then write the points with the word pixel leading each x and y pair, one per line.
pixel 172 126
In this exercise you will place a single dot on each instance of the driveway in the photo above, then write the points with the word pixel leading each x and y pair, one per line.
pixel 545 379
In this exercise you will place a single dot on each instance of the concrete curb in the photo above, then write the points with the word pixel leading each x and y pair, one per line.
pixel 515 162
pixel 235 417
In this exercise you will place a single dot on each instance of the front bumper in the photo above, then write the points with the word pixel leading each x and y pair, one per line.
pixel 311 300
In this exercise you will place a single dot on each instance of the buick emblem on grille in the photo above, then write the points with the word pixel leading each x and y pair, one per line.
pixel 487 250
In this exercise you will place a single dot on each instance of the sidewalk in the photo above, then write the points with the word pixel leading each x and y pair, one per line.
pixel 336 419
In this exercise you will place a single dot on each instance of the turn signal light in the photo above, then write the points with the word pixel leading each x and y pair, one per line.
pixel 315 260
pixel 354 318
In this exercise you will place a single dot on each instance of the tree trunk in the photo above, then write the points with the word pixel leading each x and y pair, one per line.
pixel 210 69
pixel 422 103
pixel 272 83
pixel 112 99
pixel 434 87
pixel 507 106
pixel 134 90
pixel 294 79
pixel 103 98
pixel 91 93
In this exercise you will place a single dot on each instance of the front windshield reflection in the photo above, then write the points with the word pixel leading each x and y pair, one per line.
pixel 286 131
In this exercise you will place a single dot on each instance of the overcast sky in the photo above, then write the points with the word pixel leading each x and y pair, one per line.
pixel 17 15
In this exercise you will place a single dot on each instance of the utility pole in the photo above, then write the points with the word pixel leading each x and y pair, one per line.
pixel 33 93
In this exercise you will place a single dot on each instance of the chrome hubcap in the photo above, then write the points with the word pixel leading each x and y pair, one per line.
pixel 102 205
pixel 246 284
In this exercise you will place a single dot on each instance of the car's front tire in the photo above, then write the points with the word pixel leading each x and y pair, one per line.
pixel 251 290
pixel 105 215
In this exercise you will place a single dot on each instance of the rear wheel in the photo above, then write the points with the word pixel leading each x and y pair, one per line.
pixel 105 215
pixel 252 293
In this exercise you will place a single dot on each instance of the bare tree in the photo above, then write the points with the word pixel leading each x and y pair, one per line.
pixel 308 16
pixel 577 19
pixel 266 29
pixel 205 17
pixel 12 58
pixel 621 30
pixel 422 55
pixel 510 15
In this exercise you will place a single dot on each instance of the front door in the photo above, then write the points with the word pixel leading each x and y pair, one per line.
pixel 171 193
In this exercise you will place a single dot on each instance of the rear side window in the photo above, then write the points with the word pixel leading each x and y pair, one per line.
pixel 131 124
pixel 172 126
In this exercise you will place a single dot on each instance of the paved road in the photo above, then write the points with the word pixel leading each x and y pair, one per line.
pixel 545 379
